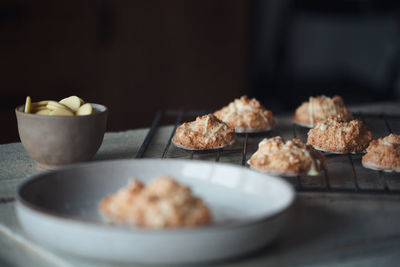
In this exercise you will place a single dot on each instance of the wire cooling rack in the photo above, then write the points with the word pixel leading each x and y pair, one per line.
pixel 344 173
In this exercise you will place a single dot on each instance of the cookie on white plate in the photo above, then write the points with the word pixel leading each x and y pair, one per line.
pixel 163 203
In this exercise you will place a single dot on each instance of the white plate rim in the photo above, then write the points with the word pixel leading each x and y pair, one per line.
pixel 203 149
pixel 282 173
pixel 253 130
pixel 377 167
pixel 336 152
pixel 302 124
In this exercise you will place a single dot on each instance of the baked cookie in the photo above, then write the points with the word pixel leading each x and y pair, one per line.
pixel 288 158
pixel 337 136
pixel 383 154
pixel 163 203
pixel 206 132
pixel 246 115
pixel 321 108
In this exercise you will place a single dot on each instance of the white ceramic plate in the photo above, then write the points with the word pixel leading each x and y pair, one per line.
pixel 199 149
pixel 253 130
pixel 376 167
pixel 336 152
pixel 59 209
pixel 284 173
pixel 303 124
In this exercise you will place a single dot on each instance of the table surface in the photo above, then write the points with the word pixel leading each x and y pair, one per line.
pixel 326 229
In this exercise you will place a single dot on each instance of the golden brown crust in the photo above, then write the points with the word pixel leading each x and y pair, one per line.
pixel 383 154
pixel 321 108
pixel 163 203
pixel 287 158
pixel 246 114
pixel 337 136
pixel 206 132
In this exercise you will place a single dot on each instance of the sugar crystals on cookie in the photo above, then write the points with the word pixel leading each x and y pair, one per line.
pixel 338 136
pixel 163 203
pixel 206 132
pixel 321 108
pixel 246 115
pixel 287 158
pixel 383 154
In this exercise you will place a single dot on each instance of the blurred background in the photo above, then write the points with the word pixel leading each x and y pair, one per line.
pixel 138 57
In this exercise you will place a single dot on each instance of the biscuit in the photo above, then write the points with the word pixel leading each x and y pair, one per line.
pixel 163 203
pixel 289 158
pixel 321 108
pixel 206 132
pixel 383 154
pixel 246 115
pixel 337 136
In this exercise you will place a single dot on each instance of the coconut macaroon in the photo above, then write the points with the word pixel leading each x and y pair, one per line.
pixel 383 154
pixel 290 158
pixel 337 136
pixel 246 115
pixel 321 108
pixel 163 203
pixel 206 132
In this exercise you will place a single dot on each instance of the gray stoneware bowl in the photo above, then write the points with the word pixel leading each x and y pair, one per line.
pixel 55 141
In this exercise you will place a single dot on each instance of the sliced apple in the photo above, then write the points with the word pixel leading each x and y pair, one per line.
pixel 43 112
pixel 40 103
pixel 38 108
pixel 73 102
pixel 53 105
pixel 85 109
pixel 28 103
pixel 61 112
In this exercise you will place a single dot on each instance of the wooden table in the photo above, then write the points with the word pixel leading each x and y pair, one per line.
pixel 327 228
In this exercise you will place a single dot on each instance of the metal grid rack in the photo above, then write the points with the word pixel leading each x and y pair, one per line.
pixel 343 175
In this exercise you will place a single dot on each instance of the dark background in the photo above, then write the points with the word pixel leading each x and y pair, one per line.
pixel 137 57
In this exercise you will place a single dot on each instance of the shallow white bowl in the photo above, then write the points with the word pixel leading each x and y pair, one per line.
pixel 59 209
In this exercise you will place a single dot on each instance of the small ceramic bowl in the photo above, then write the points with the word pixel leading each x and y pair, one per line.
pixel 55 141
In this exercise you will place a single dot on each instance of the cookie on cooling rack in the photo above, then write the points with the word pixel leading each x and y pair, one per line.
pixel 163 203
pixel 383 154
pixel 206 132
pixel 321 108
pixel 337 136
pixel 246 115
pixel 290 158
